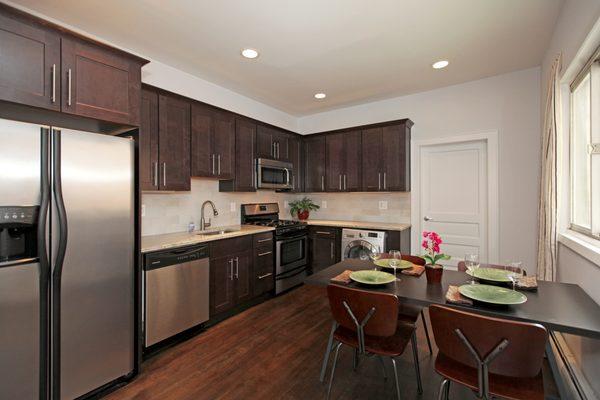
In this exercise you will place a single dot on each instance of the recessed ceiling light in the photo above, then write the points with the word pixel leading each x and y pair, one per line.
pixel 320 96
pixel 440 64
pixel 250 53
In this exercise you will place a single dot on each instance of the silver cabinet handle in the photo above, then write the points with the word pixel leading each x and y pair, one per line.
pixel 332 255
pixel 231 269
pixel 379 181
pixel 54 83
pixel 219 164
pixel 340 175
pixel 212 162
pixel 384 184
pixel 273 149
pixel 345 186
pixel 265 275
pixel 323 183
pixel 237 268
pixel 264 240
pixel 69 87
pixel 265 253
pixel 155 173
pixel 164 174
pixel 426 218
pixel 277 148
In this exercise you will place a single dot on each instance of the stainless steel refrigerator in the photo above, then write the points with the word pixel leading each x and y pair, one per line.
pixel 66 261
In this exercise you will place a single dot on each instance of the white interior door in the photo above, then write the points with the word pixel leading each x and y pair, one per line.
pixel 453 197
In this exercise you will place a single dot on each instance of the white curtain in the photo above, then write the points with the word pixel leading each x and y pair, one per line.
pixel 548 220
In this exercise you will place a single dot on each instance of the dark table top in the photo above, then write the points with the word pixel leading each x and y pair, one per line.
pixel 561 307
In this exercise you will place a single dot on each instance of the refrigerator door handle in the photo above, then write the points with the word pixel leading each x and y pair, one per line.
pixel 58 262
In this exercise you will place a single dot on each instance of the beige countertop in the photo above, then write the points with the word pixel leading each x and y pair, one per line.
pixel 178 239
pixel 359 224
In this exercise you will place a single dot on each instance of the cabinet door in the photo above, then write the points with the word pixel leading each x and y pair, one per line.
pixel 322 252
pixel 149 141
pixel 29 64
pixel 244 277
pixel 352 157
pixel 224 144
pixel 264 142
pixel 174 143
pixel 222 296
pixel 281 141
pixel 202 160
pixel 396 158
pixel 295 155
pixel 335 162
pixel 245 168
pixel 99 84
pixel 372 160
pixel 314 155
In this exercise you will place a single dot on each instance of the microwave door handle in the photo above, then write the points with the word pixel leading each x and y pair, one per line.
pixel 287 176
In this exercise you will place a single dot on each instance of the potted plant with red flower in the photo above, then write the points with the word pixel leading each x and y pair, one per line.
pixel 302 208
pixel 431 243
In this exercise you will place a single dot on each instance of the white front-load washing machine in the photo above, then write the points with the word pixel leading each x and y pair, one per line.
pixel 359 243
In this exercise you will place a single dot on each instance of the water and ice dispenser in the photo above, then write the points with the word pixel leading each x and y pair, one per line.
pixel 18 232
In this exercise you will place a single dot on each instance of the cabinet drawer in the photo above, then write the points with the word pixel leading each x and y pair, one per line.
pixel 263 240
pixel 323 231
pixel 225 247
pixel 264 260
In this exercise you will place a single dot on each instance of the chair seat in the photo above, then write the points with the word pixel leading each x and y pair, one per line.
pixel 409 312
pixel 390 346
pixel 503 386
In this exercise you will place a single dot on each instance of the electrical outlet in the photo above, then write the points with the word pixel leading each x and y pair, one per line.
pixel 286 204
pixel 383 205
pixel 232 207
pixel 143 210
pixel 323 203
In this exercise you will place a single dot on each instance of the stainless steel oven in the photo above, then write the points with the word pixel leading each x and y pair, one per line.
pixel 273 174
pixel 292 257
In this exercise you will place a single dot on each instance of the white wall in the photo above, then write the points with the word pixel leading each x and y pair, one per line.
pixel 576 37
pixel 507 103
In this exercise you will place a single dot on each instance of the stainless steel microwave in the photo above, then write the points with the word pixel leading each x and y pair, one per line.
pixel 273 174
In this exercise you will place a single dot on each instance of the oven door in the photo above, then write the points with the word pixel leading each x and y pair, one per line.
pixel 272 174
pixel 291 253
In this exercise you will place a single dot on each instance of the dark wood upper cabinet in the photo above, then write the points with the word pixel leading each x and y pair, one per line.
pixel 148 141
pixel 295 146
pixel 343 162
pixel 174 142
pixel 386 157
pixel 315 163
pixel 213 142
pixel 245 167
pixel 272 143
pixel 29 64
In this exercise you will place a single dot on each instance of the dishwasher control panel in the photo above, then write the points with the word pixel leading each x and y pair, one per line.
pixel 165 258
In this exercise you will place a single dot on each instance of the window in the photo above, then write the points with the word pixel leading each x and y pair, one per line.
pixel 585 151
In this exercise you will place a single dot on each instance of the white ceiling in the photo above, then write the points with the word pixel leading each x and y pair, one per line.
pixel 354 50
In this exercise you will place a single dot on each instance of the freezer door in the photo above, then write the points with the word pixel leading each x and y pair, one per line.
pixel 96 288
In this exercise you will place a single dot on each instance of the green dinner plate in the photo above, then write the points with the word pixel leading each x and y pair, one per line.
pixel 371 277
pixel 492 294
pixel 385 263
pixel 490 274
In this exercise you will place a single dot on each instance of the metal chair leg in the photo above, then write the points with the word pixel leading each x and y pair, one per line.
pixel 355 359
pixel 426 331
pixel 337 352
pixel 327 352
pixel 383 368
pixel 416 361
pixel 396 378
pixel 447 395
pixel 442 394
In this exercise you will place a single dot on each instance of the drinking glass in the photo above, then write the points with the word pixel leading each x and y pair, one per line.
pixel 514 271
pixel 472 263
pixel 394 262
pixel 375 255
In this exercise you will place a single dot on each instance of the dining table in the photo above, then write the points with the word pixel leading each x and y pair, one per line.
pixel 560 307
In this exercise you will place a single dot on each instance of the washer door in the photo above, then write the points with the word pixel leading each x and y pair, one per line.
pixel 359 249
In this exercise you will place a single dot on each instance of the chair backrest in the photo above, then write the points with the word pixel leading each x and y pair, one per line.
pixel 463 268
pixel 521 358
pixel 384 320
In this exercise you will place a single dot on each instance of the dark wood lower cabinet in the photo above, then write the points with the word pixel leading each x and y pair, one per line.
pixel 243 277
pixel 221 285
pixel 324 247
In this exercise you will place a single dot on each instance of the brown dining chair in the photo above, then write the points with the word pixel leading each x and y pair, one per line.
pixel 367 322
pixel 463 268
pixel 410 312
pixel 492 356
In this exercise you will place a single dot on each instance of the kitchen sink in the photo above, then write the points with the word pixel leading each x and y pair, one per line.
pixel 219 232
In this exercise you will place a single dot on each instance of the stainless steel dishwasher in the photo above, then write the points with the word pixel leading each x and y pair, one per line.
pixel 176 285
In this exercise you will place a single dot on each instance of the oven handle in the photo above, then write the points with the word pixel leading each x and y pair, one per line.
pixel 289 239
pixel 285 276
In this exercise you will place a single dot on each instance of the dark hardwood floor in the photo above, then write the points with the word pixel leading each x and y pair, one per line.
pixel 274 351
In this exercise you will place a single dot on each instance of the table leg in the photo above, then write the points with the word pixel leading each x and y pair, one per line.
pixel 560 384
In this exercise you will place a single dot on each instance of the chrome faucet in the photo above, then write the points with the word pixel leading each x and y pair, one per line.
pixel 203 223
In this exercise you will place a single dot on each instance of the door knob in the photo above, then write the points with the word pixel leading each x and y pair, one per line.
pixel 426 218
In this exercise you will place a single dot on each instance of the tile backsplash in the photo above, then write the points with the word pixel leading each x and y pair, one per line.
pixel 172 212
